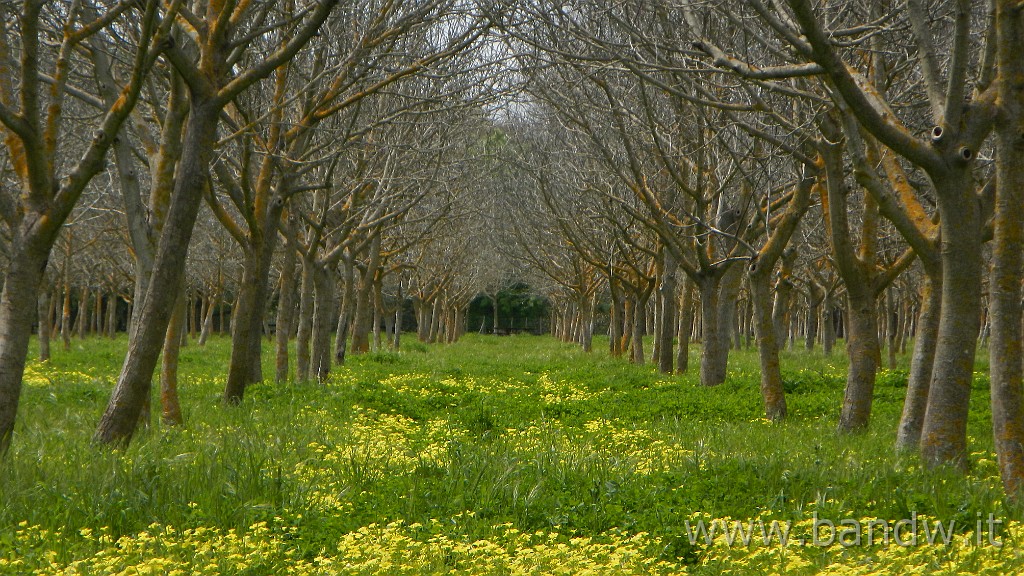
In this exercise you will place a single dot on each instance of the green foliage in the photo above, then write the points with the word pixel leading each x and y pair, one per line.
pixel 490 440
pixel 519 309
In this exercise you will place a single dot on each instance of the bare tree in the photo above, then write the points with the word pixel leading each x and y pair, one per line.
pixel 50 187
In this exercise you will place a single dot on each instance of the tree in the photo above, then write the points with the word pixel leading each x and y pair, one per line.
pixel 212 84
pixel 49 186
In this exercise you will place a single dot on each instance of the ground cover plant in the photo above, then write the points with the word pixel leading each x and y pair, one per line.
pixel 496 455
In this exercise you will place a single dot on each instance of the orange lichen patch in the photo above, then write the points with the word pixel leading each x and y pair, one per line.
pixel 17 153
pixel 908 196
pixel 821 190
pixel 869 231
pixel 239 11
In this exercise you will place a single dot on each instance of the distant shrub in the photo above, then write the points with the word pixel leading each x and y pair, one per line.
pixel 415 347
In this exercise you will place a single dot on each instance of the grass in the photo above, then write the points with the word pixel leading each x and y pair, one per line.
pixel 493 455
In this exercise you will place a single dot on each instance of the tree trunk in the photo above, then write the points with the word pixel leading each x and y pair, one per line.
pixel 908 436
pixel 654 322
pixel 944 434
pixel 122 415
pixel 828 325
pixel 285 307
pixel 305 327
pixel 65 318
pixel 323 316
pixel 891 322
pixel 389 328
pixel 398 324
pixel 435 319
pixel 714 347
pixel 729 287
pixel 245 366
pixel 666 320
pixel 353 319
pixel 615 315
pixel 772 391
pixel 685 327
pixel 362 323
pixel 862 349
pixel 377 304
pixel 191 313
pixel 97 313
pixel 739 308
pixel 17 311
pixel 250 311
pixel 815 296
pixel 587 323
pixel 112 300
pixel 43 311
pixel 170 406
pixel 82 316
pixel 494 310
pixel 639 325
pixel 345 313
pixel 628 310
pixel 186 324
pixel 780 312
pixel 211 307
pixel 1006 351
pixel 460 322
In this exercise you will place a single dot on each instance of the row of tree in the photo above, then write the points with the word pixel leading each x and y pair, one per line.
pixel 332 144
pixel 683 153
pixel 698 170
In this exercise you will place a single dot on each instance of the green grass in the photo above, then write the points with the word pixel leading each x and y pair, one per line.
pixel 469 439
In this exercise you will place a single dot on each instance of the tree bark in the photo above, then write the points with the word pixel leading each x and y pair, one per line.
pixel 891 321
pixel 782 311
pixel 377 305
pixel 1006 350
pixel 96 326
pixel 615 313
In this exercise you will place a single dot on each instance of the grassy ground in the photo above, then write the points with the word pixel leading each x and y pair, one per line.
pixel 496 455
